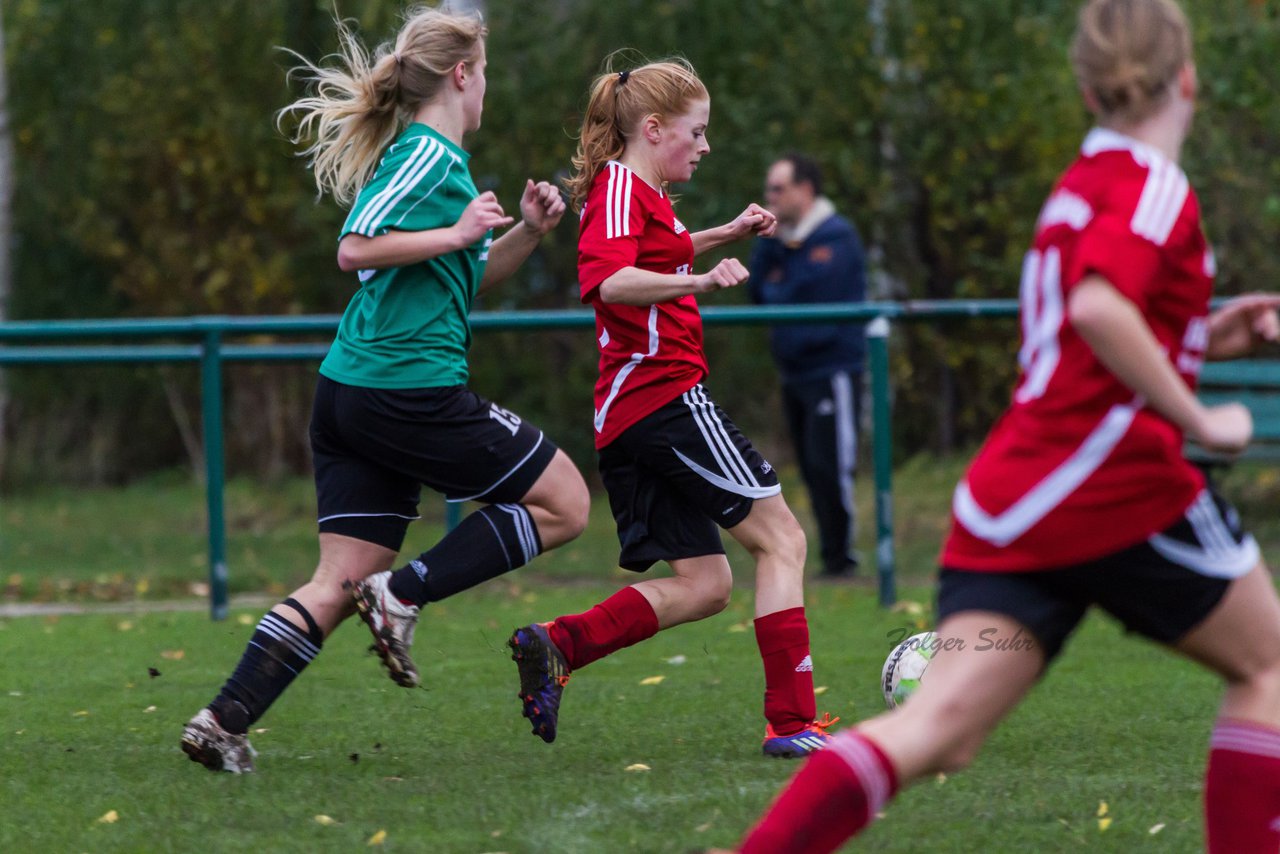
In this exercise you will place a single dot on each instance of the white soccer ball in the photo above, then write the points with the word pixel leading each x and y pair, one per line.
pixel 905 667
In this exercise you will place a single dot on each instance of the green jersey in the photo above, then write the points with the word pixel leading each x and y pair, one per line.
pixel 408 327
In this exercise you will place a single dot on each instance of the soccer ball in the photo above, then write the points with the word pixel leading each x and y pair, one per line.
pixel 905 667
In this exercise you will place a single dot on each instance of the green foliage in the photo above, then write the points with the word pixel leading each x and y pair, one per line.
pixel 152 179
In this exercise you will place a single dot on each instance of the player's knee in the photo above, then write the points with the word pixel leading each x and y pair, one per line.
pixel 791 544
pixel 1263 679
pixel 574 510
pixel 715 597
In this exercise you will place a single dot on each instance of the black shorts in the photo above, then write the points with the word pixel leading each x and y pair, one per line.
pixel 1161 588
pixel 677 476
pixel 374 448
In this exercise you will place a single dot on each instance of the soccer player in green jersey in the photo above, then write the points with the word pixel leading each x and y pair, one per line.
pixel 392 409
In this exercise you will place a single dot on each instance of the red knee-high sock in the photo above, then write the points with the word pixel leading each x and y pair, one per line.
pixel 783 638
pixel 836 794
pixel 625 618
pixel 1242 789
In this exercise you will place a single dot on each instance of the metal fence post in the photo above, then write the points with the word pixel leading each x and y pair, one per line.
pixel 214 468
pixel 882 453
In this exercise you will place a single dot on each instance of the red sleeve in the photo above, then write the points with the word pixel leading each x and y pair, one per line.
pixel 608 237
pixel 1108 248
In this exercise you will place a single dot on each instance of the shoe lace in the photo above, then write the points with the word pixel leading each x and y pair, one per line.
pixel 824 724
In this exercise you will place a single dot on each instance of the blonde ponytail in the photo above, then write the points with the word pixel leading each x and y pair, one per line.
pixel 357 106
pixel 1127 52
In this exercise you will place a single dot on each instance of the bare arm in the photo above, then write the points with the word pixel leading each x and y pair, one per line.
pixel 1240 325
pixel 402 248
pixel 1119 336
pixel 633 286
pixel 753 220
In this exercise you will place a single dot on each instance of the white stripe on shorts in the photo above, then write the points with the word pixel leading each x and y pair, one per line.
pixel 717 438
pixel 1218 555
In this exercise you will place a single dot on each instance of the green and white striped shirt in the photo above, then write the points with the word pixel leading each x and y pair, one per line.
pixel 408 327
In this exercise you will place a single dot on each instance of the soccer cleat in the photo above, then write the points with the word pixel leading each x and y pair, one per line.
pixel 392 623
pixel 811 739
pixel 543 675
pixel 206 742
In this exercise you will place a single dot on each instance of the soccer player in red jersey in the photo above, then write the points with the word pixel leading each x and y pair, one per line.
pixel 675 467
pixel 1081 495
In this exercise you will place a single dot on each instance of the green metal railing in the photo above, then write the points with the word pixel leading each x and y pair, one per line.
pixel 211 351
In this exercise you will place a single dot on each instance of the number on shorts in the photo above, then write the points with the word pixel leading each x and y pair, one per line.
pixel 505 417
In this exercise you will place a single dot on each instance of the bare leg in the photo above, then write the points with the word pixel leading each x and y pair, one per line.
pixel 699 589
pixel 1240 640
pixel 559 502
pixel 342 559
pixel 776 542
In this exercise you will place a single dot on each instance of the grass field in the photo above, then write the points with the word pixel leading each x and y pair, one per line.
pixel 89 735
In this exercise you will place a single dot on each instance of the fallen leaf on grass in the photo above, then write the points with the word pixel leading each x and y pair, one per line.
pixel 908 607
pixel 148 709
pixel 652 680
pixel 1103 809
pixel 262 729
pixel 739 627
pixel 941 778
pixel 15 693
pixel 1156 828
pixel 325 821
pixel 173 654
pixel 1103 824
pixel 639 766
pixel 677 659
pixel 83 713
pixel 702 828
pixel 821 689
pixel 244 620
pixel 109 817
pixel 378 838
pixel 124 625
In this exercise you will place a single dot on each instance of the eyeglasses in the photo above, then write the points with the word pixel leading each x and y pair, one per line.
pixel 774 189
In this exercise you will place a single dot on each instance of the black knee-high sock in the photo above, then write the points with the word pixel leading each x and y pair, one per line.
pixel 276 654
pixel 489 542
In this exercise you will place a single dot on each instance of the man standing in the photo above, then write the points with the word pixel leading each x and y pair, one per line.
pixel 816 257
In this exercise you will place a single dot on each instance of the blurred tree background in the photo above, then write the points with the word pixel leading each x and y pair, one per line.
pixel 151 180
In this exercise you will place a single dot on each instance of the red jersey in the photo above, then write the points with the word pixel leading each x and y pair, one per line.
pixel 1079 467
pixel 650 354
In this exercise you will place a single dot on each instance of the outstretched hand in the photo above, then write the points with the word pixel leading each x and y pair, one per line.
pixel 754 220
pixel 1243 323
pixel 541 206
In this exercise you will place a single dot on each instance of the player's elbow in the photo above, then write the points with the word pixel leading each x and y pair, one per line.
pixel 610 293
pixel 350 258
